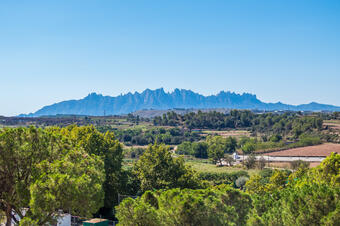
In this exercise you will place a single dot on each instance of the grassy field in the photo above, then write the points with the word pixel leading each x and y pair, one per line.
pixel 227 133
pixel 201 166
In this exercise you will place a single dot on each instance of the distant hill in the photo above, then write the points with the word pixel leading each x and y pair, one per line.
pixel 98 105
pixel 150 113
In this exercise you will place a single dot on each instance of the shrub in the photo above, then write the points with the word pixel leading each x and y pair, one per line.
pixel 241 181
pixel 299 163
pixel 229 159
pixel 250 162
pixel 275 138
pixel 261 163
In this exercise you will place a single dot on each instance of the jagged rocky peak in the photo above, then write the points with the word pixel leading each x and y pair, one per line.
pixel 158 99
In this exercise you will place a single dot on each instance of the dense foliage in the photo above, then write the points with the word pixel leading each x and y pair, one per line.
pixel 306 197
pixel 197 149
pixel 287 123
pixel 218 149
pixel 215 147
pixel 108 148
pixel 220 205
pixel 45 172
pixel 272 197
pixel 157 169
pixel 150 136
pixel 219 146
pixel 41 172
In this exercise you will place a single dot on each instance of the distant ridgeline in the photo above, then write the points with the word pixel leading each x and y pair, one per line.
pixel 98 105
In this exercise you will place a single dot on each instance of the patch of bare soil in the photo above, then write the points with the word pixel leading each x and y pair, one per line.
pixel 317 150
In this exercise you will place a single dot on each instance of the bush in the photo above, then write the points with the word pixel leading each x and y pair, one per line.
pixel 241 181
pixel 261 163
pixel 299 163
pixel 250 162
pixel 185 148
pixel 134 152
pixel 200 149
pixel 275 138
pixel 309 140
pixel 229 159
pixel 266 173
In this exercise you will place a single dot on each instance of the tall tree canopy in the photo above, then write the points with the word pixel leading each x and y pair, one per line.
pixel 212 206
pixel 157 169
pixel 218 146
pixel 306 197
pixel 41 172
pixel 105 146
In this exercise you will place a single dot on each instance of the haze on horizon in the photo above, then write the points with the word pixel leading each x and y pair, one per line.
pixel 286 51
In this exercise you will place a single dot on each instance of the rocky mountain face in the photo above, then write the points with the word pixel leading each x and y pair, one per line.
pixel 98 105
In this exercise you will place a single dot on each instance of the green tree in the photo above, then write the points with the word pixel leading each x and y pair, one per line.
pixel 132 212
pixel 200 149
pixel 259 184
pixel 42 172
pixel 329 170
pixel 275 138
pixel 230 145
pixel 229 160
pixel 308 197
pixel 216 149
pixel 248 148
pixel 277 181
pixel 255 185
pixel 261 163
pixel 241 181
pixel 212 206
pixel 157 169
pixel 185 148
pixel 308 204
pixel 250 161
pixel 108 148
pixel 72 183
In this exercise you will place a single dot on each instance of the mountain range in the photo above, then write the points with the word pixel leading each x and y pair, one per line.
pixel 97 105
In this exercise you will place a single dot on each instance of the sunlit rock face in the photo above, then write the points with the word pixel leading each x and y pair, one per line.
pixel 97 104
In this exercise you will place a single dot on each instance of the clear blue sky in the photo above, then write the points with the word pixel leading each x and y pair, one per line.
pixel 51 51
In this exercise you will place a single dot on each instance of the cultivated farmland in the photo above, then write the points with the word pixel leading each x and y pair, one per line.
pixel 317 150
pixel 227 133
